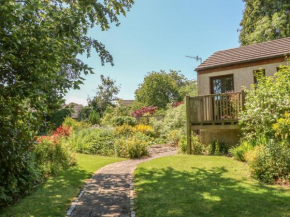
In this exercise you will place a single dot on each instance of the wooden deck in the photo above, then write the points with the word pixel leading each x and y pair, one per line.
pixel 216 111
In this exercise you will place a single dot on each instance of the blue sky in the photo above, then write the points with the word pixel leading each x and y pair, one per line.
pixel 157 34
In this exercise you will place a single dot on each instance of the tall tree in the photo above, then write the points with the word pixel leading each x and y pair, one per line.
pixel 265 20
pixel 40 42
pixel 106 94
pixel 160 88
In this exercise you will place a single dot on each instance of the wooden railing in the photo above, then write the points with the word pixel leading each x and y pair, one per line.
pixel 215 108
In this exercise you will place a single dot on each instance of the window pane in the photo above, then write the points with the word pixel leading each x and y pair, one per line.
pixel 217 86
pixel 229 84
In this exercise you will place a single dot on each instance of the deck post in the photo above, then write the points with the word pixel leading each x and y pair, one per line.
pixel 188 124
pixel 243 100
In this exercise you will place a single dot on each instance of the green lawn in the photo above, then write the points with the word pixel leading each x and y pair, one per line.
pixel 192 186
pixel 54 196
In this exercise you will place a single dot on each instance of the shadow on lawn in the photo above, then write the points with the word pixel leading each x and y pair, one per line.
pixel 51 198
pixel 200 192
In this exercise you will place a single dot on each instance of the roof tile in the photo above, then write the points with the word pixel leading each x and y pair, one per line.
pixel 248 53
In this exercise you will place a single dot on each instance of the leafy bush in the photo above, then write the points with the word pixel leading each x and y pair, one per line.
pixel 112 112
pixel 56 135
pixel 270 162
pixel 61 131
pixel 57 117
pixel 217 148
pixel 92 141
pixel 132 147
pixel 266 102
pixel 94 117
pixel 175 119
pixel 240 151
pixel 282 127
pixel 144 111
pixel 121 120
pixel 75 125
pixel 124 130
pixel 197 148
pixel 51 157
pixel 145 129
pixel 174 136
pixel 17 170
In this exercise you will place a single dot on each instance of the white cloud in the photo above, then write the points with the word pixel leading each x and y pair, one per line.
pixel 77 100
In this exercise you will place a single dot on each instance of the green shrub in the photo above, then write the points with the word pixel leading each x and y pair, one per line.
pixel 240 151
pixel 197 148
pixel 282 127
pixel 270 162
pixel 121 120
pixel 266 102
pixel 17 169
pixel 92 141
pixel 124 130
pixel 174 119
pixel 58 116
pixel 51 158
pixel 132 147
pixel 75 125
pixel 217 148
pixel 174 136
pixel 94 117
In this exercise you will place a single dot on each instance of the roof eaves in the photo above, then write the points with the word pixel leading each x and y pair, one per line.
pixel 238 62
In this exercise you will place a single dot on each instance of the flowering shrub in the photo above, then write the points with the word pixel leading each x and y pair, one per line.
pixel 144 111
pixel 56 135
pixel 265 124
pixel 132 147
pixel 145 129
pixel 266 102
pixel 124 130
pixel 282 127
pixel 51 157
pixel 61 131
pixel 50 138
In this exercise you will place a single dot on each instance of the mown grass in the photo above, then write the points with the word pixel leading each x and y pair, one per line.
pixel 54 196
pixel 205 186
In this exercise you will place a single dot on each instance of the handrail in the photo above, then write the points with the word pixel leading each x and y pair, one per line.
pixel 215 107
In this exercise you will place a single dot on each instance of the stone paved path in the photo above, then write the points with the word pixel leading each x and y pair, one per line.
pixel 107 194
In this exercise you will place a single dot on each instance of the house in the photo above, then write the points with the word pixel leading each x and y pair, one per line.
pixel 126 103
pixel 76 109
pixel 212 113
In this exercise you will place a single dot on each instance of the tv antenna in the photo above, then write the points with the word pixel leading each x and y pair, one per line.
pixel 197 58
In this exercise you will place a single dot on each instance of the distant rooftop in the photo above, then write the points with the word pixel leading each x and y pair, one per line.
pixel 250 53
pixel 126 102
pixel 76 109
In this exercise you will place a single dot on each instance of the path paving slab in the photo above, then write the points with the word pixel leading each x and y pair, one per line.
pixel 109 193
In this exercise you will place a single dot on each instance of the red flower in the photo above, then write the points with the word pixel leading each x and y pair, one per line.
pixel 176 104
pixel 144 110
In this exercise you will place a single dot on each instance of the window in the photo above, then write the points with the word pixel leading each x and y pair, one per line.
pixel 222 84
pixel 256 72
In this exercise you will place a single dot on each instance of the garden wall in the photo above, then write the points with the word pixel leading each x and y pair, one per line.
pixel 230 137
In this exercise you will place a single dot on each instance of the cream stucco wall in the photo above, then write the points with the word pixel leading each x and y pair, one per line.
pixel 242 77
